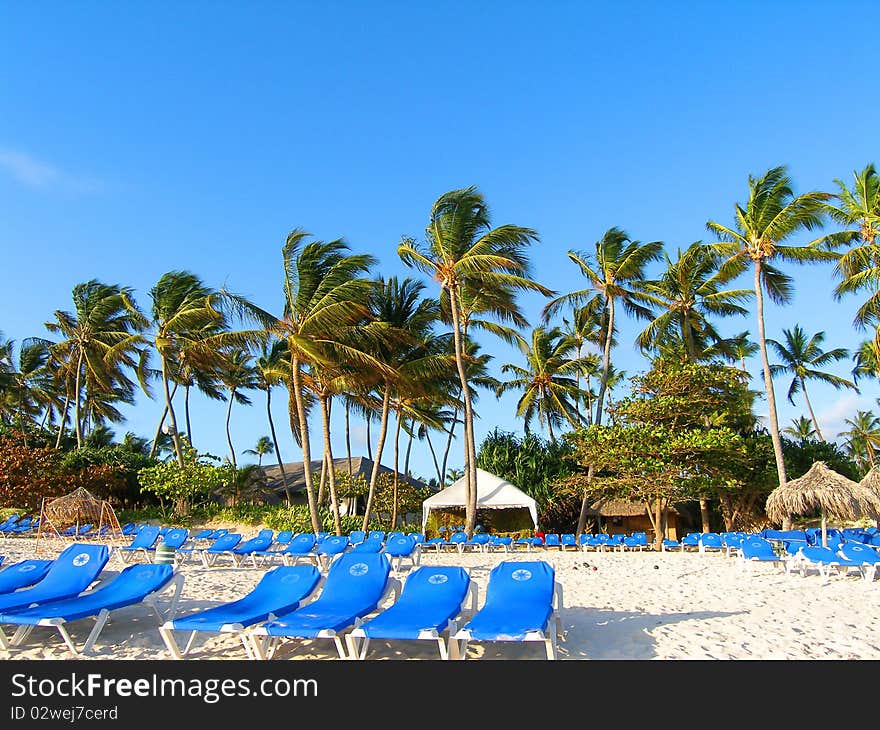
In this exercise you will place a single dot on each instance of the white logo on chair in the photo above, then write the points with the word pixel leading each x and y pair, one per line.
pixel 521 574
pixel 81 560
pixel 290 578
pixel 437 579
pixel 27 568
pixel 359 569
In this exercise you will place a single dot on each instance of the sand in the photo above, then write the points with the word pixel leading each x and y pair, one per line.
pixel 632 606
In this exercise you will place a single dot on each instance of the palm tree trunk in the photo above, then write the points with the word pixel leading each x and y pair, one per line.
pixel 369 439
pixel 704 514
pixel 470 455
pixel 348 435
pixel 768 384
pixel 606 363
pixel 306 450
pixel 155 446
pixel 76 407
pixel 434 458
pixel 275 442
pixel 328 459
pixel 550 429
pixel 228 435
pixel 189 433
pixel 396 473
pixel 62 422
pixel 412 432
pixel 322 482
pixel 810 409
pixel 449 443
pixel 174 435
pixel 374 474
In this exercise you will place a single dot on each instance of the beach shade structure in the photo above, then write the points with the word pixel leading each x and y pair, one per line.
pixel 523 601
pixel 433 597
pixel 871 481
pixel 493 493
pixel 22 574
pixel 134 585
pixel 74 510
pixel 823 490
pixel 280 591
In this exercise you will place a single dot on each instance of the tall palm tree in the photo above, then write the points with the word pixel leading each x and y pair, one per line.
pixel 586 327
pixel 801 429
pixel 101 340
pixel 272 368
pixel 616 274
pixel 800 358
pixel 325 295
pixel 866 361
pixel 772 214
pixel 548 390
pixel 236 373
pixel 687 294
pixel 30 389
pixel 863 438
pixel 463 254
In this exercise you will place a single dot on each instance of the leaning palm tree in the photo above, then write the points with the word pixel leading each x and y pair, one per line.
pixel 801 357
pixel 616 274
pixel 271 369
pixel 325 294
pixel 689 292
pixel 863 438
pixel 772 214
pixel 801 429
pixel 236 373
pixel 463 254
pixel 101 340
pixel 548 390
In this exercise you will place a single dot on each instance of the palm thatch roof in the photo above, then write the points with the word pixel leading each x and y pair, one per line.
pixel 80 504
pixel 620 508
pixel 871 480
pixel 822 489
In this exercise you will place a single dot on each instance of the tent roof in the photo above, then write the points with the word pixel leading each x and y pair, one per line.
pixel 493 492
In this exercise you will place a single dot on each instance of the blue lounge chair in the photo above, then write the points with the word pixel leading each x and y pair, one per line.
pixel 74 570
pixel 499 543
pixel 328 549
pixel 857 552
pixel 669 545
pixel 691 541
pixel 143 542
pixel 403 547
pixel 356 536
pixel 222 546
pixel 300 546
pixel 23 527
pixel 456 539
pixel 637 541
pixel 13 522
pixel 280 591
pixel 174 540
pixel 823 560
pixel 758 550
pixel 23 574
pixel 528 543
pixel 568 540
pixel 355 585
pixel 478 543
pixel 433 597
pixel 438 542
pixel 134 584
pixel 376 535
pixel 8 522
pixel 551 540
pixel 370 545
pixel 246 549
pixel 711 542
pixel 523 601
pixel 128 528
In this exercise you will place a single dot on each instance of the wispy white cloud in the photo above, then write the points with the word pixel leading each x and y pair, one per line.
pixel 34 173
pixel 831 419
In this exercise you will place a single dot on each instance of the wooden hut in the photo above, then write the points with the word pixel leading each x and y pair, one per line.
pixel 621 515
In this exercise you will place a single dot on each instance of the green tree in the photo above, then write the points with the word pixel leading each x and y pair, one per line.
pixel 862 439
pixel 771 215
pixel 801 357
pixel 463 254
pixel 801 429
pixel 188 485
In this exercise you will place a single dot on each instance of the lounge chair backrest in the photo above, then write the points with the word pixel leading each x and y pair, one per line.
pixel 203 534
pixel 356 536
pixel 756 548
pixel 133 584
pixel 333 545
pixel 267 533
pixel 552 539
pixel 225 542
pixel 368 546
pixel 817 553
pixel 357 579
pixel 146 537
pixel 376 535
pixel 283 580
pixel 302 543
pixel 74 570
pixel 22 574
pixel 418 536
pixel 435 585
pixel 175 537
pixel 458 537
pixel 851 550
pixel 513 582
pixel 400 546
pixel 480 538
pixel 283 537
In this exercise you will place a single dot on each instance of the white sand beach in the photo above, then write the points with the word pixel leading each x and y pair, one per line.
pixel 628 606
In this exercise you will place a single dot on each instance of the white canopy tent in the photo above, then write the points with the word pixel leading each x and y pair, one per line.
pixel 492 493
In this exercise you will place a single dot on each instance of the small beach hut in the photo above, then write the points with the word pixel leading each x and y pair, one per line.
pixel 64 516
pixel 824 490
pixel 493 493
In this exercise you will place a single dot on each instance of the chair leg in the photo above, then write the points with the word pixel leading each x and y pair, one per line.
pixel 103 617
pixel 167 634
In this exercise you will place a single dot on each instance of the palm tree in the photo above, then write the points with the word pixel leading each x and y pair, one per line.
pixel 800 358
pixel 801 429
pixel 236 373
pixel 771 215
pixel 616 274
pixel 272 368
pixel 464 254
pixel 866 361
pixel 585 328
pixel 735 349
pixel 863 438
pixel 101 339
pixel 263 446
pixel 30 387
pixel 689 291
pixel 548 390
pixel 325 296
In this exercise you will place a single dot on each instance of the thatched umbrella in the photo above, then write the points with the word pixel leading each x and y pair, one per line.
pixel 823 489
pixel 871 481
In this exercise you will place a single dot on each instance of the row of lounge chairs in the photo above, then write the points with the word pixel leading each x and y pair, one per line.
pixel 292 602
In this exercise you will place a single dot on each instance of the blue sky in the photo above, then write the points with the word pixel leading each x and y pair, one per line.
pixel 137 138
